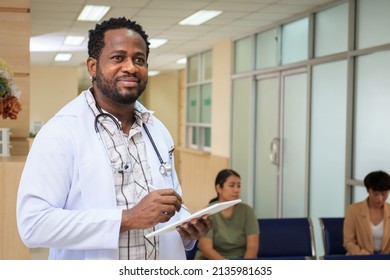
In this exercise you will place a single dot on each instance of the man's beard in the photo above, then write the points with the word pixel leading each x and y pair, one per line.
pixel 109 89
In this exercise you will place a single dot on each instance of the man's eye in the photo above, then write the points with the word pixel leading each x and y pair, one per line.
pixel 140 61
pixel 117 57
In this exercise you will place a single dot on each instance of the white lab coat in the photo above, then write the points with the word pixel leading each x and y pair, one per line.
pixel 66 199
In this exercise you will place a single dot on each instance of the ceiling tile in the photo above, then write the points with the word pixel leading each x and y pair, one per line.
pixel 53 20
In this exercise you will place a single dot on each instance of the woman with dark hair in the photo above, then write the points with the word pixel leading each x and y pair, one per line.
pixel 235 232
pixel 367 223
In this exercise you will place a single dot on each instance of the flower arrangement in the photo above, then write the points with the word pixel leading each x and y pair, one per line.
pixel 9 93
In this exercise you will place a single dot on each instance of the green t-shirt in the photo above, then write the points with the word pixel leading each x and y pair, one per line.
pixel 229 234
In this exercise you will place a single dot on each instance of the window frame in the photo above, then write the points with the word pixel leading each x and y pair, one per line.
pixel 196 130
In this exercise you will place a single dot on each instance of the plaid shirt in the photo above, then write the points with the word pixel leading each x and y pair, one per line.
pixel 132 175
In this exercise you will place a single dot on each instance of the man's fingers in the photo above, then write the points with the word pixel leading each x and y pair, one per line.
pixel 196 228
pixel 169 197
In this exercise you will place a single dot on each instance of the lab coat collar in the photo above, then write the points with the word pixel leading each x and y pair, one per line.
pixel 142 115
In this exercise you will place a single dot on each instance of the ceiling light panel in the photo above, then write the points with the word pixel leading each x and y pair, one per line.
pixel 74 40
pixel 182 60
pixel 155 43
pixel 93 13
pixel 200 17
pixel 63 57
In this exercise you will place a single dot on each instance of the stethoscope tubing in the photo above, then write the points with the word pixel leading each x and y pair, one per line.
pixel 165 167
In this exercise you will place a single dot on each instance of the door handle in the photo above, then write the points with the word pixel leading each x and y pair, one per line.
pixel 274 151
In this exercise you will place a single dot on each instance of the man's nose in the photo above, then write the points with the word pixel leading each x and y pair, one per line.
pixel 129 66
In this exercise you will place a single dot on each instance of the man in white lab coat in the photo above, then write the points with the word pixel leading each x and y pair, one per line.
pixel 100 174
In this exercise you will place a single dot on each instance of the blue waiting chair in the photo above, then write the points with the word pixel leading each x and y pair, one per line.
pixel 356 257
pixel 286 238
pixel 332 236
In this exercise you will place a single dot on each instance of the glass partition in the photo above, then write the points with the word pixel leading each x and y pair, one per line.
pixel 331 31
pixel 295 41
pixel 267 134
pixel 241 139
pixel 207 66
pixel 267 49
pixel 372 22
pixel 327 143
pixel 205 115
pixel 193 69
pixel 328 119
pixel 372 134
pixel 243 54
pixel 192 105
pixel 294 194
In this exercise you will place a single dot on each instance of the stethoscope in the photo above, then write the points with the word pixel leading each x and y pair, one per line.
pixel 165 167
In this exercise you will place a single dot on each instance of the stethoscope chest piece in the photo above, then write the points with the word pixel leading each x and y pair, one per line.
pixel 166 169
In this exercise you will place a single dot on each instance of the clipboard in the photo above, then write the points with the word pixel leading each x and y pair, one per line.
pixel 210 210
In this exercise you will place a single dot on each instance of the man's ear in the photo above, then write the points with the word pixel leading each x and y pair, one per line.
pixel 91 66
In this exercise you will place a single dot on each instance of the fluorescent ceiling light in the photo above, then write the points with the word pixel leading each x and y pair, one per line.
pixel 200 17
pixel 153 73
pixel 155 43
pixel 63 57
pixel 74 40
pixel 181 61
pixel 93 13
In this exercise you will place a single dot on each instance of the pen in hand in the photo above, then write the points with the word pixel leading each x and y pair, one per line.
pixel 182 206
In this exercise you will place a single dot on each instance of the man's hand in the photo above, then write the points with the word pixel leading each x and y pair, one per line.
pixel 195 228
pixel 157 207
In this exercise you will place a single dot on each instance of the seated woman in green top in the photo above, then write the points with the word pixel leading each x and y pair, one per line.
pixel 235 232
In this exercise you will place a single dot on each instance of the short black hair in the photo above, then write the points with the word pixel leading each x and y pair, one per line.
pixel 377 181
pixel 96 36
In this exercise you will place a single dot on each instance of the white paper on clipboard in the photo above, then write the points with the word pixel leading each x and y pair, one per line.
pixel 210 210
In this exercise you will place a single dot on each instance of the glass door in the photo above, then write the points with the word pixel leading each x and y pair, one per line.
pixel 294 151
pixel 281 143
pixel 267 145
